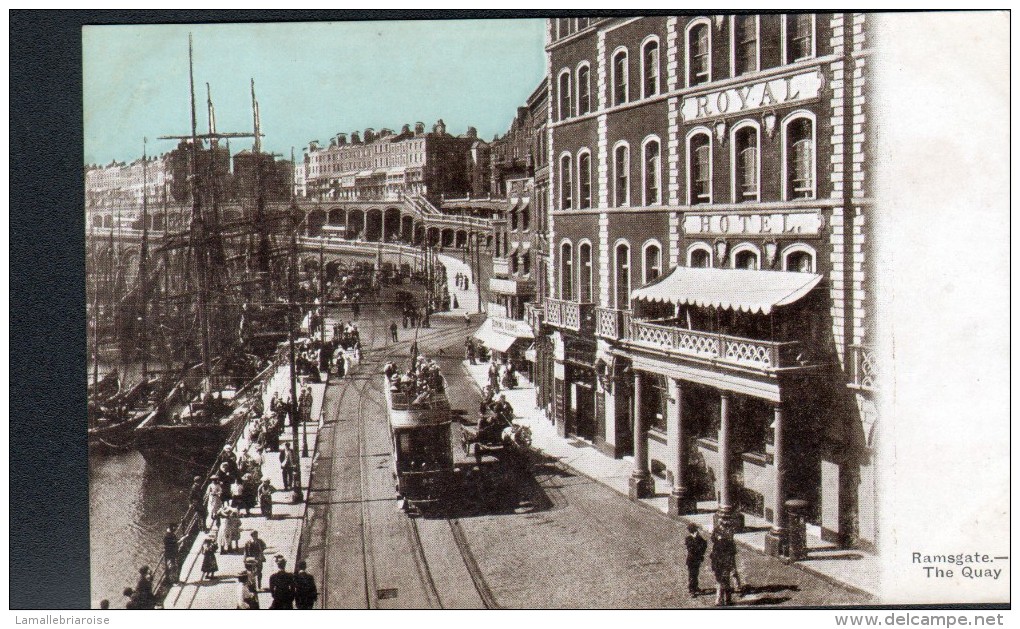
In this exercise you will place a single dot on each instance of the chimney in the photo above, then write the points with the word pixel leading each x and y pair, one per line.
pixel 439 128
pixel 406 129
pixel 384 132
pixel 369 134
pixel 355 138
pixel 341 139
pixel 419 128
pixel 472 132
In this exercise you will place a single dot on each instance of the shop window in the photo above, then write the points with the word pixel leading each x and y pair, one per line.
pixel 700 155
pixel 620 77
pixel 652 173
pixel 699 53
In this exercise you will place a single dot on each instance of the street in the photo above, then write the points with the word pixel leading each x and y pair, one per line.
pixel 539 537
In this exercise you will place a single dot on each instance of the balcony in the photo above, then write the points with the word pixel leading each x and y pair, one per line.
pixel 863 368
pixel 609 323
pixel 730 350
pixel 501 267
pixel 569 315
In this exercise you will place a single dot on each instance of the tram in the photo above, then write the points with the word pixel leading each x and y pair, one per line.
pixel 422 446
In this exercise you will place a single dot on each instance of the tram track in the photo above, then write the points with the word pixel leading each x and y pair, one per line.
pixel 365 374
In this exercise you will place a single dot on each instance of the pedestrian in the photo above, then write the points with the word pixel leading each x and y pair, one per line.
pixel 287 465
pixel 467 320
pixel 197 499
pixel 129 593
pixel 281 586
pixel 455 304
pixel 170 551
pixel 254 556
pixel 104 604
pixel 723 558
pixel 696 547
pixel 266 498
pixel 247 594
pixel 305 592
pixel 469 349
pixel 393 331
pixel 213 501
pixel 143 596
pixel 209 565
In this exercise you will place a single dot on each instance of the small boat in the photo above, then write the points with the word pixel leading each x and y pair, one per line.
pixel 112 420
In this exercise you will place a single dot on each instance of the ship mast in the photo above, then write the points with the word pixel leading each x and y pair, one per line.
pixel 143 274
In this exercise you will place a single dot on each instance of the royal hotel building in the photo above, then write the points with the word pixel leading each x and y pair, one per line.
pixel 710 300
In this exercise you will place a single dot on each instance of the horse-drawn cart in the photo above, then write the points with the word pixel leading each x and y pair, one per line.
pixel 498 437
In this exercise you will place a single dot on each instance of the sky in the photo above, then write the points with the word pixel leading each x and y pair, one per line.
pixel 312 80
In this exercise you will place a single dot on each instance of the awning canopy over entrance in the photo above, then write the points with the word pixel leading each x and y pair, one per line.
pixel 736 289
pixel 495 341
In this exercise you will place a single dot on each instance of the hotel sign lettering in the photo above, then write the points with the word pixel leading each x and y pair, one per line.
pixel 779 91
pixel 807 223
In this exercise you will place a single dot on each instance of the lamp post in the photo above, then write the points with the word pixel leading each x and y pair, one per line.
pixel 298 495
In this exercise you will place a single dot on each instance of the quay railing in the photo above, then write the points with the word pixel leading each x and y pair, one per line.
pixel 190 524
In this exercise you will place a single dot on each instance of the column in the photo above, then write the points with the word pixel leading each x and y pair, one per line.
pixel 680 502
pixel 640 479
pixel 776 539
pixel 726 515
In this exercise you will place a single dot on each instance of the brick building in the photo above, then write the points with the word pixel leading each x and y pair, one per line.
pixel 709 271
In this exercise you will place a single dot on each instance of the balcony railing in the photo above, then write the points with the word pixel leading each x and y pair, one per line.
pixel 501 267
pixel 569 315
pixel 609 323
pixel 863 367
pixel 717 347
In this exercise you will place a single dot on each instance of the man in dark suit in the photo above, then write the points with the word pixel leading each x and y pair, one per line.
pixel 305 592
pixel 281 586
pixel 696 547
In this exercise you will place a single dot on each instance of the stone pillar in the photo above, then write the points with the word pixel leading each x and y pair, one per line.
pixel 776 539
pixel 726 515
pixel 640 479
pixel 680 502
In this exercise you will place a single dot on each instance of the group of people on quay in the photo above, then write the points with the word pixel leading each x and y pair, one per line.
pixel 419 382
pixel 462 280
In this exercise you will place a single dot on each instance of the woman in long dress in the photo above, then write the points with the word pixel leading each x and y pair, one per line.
pixel 209 565
pixel 223 533
pixel 213 500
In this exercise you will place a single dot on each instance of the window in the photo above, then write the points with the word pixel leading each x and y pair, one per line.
pixel 650 69
pixel 653 262
pixel 800 158
pixel 799 36
pixel 525 217
pixel 700 169
pixel 584 181
pixel 583 90
pixel 526 263
pixel 566 182
pixel 652 173
pixel 621 165
pixel 800 259
pixel 745 164
pixel 564 94
pixel 745 259
pixel 563 26
pixel 745 44
pixel 513 220
pixel 566 271
pixel 513 263
pixel 699 256
pixel 623 276
pixel 699 55
pixel 585 272
pixel 620 77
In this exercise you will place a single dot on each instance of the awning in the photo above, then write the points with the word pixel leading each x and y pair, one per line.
pixel 495 341
pixel 736 289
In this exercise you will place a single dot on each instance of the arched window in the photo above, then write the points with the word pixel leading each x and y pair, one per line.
pixel 650 68
pixel 584 271
pixel 799 258
pixel 566 271
pixel 699 151
pixel 745 257
pixel 526 263
pixel 745 44
pixel 584 181
pixel 566 182
pixel 564 94
pixel 699 52
pixel 621 170
pixel 513 220
pixel 799 149
pixel 583 89
pixel 699 256
pixel 623 276
pixel 652 261
pixel 526 217
pixel 620 78
pixel 798 37
pixel 745 163
pixel 513 262
pixel 652 172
